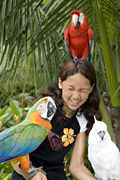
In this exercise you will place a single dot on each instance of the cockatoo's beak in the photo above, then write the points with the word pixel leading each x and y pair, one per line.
pixel 75 20
pixel 101 134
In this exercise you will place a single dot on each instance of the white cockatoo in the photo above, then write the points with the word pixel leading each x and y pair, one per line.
pixel 103 153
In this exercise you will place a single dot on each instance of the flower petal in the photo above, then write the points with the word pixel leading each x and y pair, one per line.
pixel 65 130
pixel 71 131
pixel 66 143
pixel 71 139
pixel 64 138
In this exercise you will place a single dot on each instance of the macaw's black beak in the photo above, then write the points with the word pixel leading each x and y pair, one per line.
pixel 78 24
pixel 51 109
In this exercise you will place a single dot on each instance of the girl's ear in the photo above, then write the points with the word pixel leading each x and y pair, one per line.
pixel 92 88
pixel 59 83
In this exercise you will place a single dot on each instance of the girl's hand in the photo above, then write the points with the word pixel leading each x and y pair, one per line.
pixel 39 176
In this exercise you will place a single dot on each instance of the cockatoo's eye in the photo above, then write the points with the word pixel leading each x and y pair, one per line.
pixel 81 18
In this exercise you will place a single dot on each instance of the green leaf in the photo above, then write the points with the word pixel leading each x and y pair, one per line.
pixel 3 110
pixel 4 116
pixel 107 52
pixel 15 109
pixel 8 176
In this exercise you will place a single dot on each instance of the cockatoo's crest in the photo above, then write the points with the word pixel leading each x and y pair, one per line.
pixel 95 118
pixel 99 126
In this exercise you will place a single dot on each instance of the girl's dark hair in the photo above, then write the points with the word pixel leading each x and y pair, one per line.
pixel 91 106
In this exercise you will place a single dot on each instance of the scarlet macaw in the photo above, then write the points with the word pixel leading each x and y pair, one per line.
pixel 18 141
pixel 79 38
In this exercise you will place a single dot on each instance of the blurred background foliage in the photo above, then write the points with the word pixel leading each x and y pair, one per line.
pixel 32 51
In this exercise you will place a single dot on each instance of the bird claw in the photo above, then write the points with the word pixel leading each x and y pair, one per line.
pixel 76 60
pixel 33 174
pixel 33 170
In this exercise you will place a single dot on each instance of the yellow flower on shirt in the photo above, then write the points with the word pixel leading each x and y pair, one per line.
pixel 68 136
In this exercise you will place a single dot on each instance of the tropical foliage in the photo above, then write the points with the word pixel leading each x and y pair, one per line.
pixel 32 51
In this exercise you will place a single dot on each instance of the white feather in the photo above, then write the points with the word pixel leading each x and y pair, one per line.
pixel 103 153
pixel 81 18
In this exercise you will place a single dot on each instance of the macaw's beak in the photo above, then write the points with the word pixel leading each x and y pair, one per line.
pixel 75 20
pixel 49 111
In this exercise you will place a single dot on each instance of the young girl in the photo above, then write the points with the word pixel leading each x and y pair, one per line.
pixel 77 101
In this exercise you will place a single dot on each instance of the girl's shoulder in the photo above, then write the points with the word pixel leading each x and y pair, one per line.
pixel 82 122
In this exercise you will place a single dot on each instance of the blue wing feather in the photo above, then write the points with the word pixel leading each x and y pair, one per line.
pixel 91 50
pixel 19 141
pixel 68 49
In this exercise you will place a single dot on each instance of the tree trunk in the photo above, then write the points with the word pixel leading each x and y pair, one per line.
pixel 115 114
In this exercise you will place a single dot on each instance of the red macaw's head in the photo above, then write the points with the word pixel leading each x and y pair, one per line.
pixel 79 20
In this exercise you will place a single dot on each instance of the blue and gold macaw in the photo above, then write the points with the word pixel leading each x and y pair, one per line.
pixel 18 141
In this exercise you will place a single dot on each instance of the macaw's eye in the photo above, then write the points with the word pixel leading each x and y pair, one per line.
pixel 42 107
pixel 51 109
pixel 81 18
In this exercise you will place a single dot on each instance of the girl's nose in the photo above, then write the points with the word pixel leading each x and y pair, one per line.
pixel 76 95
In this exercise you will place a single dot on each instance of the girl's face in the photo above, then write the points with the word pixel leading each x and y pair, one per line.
pixel 75 91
